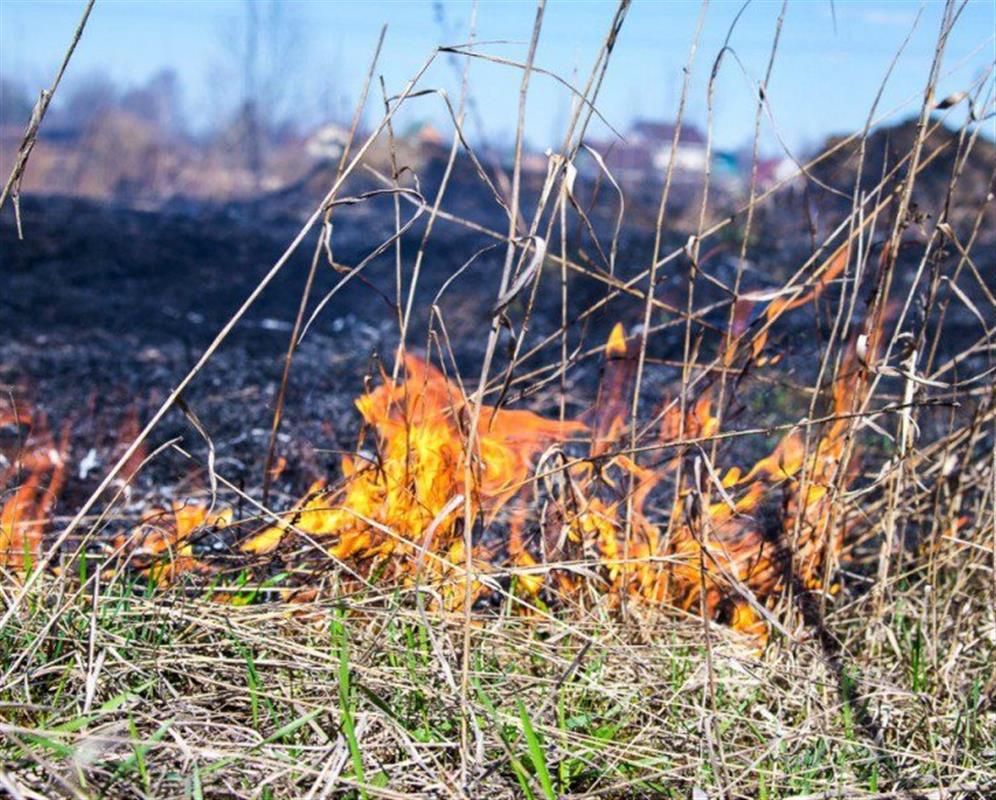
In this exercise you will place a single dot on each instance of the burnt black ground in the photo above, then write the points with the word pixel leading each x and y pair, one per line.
pixel 105 308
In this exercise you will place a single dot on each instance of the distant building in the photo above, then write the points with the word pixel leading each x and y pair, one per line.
pixel 776 172
pixel 658 139
pixel 726 167
pixel 648 151
pixel 327 143
pixel 768 172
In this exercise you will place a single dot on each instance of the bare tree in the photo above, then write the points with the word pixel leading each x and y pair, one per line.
pixel 262 47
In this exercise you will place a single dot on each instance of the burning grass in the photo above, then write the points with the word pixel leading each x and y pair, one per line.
pixel 564 526
pixel 33 476
pixel 755 561
pixel 583 555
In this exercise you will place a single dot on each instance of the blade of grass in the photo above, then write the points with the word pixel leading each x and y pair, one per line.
pixel 536 754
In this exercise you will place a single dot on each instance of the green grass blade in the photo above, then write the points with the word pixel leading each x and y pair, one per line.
pixel 536 754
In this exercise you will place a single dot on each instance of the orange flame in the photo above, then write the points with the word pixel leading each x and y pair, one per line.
pixel 38 465
pixel 616 345
pixel 735 557
pixel 560 522
pixel 600 521
pixel 827 272
pixel 393 501
pixel 160 547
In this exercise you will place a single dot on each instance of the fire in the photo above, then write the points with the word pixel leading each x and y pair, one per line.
pixel 32 475
pixel 777 305
pixel 401 500
pixel 565 507
pixel 616 345
pixel 733 558
pixel 161 547
pixel 564 523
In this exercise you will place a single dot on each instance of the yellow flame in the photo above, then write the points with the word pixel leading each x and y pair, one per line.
pixel 398 512
pixel 616 345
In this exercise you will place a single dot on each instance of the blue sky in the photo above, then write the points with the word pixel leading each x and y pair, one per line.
pixel 831 57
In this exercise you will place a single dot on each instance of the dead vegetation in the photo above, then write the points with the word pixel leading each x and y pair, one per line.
pixel 744 546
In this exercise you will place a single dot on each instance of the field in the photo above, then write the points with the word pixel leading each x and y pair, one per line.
pixel 507 481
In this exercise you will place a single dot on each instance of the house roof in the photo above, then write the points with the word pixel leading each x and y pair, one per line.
pixel 663 132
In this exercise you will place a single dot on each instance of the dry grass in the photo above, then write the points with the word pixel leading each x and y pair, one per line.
pixel 165 695
pixel 110 688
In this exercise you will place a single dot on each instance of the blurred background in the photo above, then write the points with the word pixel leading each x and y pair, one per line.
pixel 224 99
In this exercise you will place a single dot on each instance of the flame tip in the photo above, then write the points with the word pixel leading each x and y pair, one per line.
pixel 616 344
